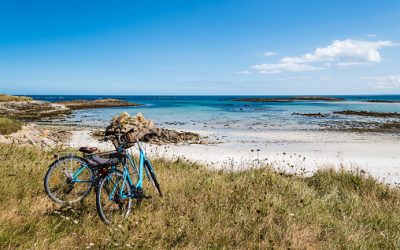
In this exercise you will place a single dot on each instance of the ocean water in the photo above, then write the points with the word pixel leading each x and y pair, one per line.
pixel 221 112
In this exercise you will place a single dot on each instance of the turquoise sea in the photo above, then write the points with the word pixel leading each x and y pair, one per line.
pixel 221 112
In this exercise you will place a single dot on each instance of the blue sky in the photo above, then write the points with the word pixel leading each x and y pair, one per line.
pixel 208 47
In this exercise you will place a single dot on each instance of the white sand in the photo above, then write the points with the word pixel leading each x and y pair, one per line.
pixel 306 151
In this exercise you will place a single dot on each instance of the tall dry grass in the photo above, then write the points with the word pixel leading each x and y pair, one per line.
pixel 9 125
pixel 11 98
pixel 204 209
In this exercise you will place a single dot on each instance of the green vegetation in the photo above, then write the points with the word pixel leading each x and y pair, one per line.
pixel 9 126
pixel 10 98
pixel 258 208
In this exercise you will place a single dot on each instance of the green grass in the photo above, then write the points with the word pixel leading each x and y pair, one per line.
pixel 9 126
pixel 202 208
pixel 9 98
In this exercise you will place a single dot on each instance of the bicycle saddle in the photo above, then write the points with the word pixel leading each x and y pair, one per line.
pixel 87 150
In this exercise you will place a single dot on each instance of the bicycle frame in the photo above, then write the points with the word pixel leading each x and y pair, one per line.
pixel 127 177
pixel 78 172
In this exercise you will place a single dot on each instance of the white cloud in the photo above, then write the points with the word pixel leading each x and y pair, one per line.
pixel 355 50
pixel 348 64
pixel 245 72
pixel 279 67
pixel 384 82
pixel 342 53
pixel 370 35
pixel 270 53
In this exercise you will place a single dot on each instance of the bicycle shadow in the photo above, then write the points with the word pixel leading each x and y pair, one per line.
pixel 72 212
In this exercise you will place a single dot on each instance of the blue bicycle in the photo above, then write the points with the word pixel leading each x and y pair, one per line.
pixel 118 188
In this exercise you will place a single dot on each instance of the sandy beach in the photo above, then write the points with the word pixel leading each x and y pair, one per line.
pixel 291 151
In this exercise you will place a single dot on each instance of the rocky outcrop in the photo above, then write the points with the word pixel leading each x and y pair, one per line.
pixel 32 110
pixel 146 131
pixel 384 101
pixel 311 114
pixel 32 135
pixel 369 113
pixel 24 108
pixel 101 103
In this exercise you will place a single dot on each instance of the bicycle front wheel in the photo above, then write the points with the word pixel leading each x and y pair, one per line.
pixel 113 200
pixel 151 175
pixel 68 180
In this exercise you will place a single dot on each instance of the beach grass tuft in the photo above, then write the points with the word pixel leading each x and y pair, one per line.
pixel 9 126
pixel 203 208
pixel 11 98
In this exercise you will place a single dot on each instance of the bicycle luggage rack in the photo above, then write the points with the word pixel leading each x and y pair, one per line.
pixel 105 154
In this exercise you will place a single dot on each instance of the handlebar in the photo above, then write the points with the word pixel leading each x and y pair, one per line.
pixel 119 136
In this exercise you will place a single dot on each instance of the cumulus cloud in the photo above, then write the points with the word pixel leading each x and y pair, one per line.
pixel 341 53
pixel 356 50
pixel 384 82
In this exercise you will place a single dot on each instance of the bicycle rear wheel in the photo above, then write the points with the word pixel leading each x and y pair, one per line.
pixel 68 180
pixel 111 206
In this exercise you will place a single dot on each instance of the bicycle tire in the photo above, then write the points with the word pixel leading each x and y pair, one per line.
pixel 152 177
pixel 58 164
pixel 102 185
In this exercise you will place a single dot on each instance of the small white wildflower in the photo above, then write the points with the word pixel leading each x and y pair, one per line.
pixel 91 244
pixel 75 221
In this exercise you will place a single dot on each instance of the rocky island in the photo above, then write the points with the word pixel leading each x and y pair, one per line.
pixel 100 103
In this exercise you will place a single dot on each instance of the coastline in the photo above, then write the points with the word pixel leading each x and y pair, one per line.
pixel 251 136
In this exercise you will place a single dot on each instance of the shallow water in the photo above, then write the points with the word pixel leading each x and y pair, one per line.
pixel 220 112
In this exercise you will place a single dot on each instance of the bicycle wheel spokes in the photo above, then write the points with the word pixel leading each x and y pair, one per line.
pixel 68 180
pixel 112 198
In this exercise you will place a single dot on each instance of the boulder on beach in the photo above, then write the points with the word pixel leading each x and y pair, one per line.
pixel 145 130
